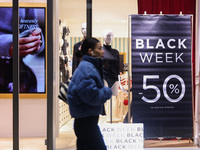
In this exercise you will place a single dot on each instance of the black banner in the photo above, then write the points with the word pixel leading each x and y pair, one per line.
pixel 161 75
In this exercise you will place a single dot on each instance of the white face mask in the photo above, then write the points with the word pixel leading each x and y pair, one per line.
pixel 84 29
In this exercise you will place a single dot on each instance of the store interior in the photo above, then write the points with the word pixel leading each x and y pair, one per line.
pixel 117 21
pixel 71 16
pixel 73 21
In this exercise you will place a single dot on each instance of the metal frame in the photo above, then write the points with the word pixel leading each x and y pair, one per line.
pixel 89 18
pixel 50 137
pixel 15 75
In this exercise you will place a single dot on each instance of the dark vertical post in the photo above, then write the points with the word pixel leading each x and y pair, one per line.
pixel 89 18
pixel 49 75
pixel 111 109
pixel 15 74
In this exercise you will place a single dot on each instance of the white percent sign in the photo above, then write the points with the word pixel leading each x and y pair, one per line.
pixel 173 88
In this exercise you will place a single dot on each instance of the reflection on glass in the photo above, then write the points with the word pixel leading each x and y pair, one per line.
pixel 107 16
pixel 32 113
pixel 72 31
pixel 110 26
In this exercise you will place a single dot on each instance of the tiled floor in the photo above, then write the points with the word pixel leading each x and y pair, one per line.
pixel 67 141
pixel 24 144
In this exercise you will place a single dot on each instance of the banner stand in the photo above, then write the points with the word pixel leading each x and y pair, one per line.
pixel 129 66
pixel 160 52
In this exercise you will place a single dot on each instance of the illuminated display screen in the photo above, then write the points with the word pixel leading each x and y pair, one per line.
pixel 31 50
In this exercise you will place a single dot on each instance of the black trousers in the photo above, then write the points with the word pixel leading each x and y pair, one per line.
pixel 88 134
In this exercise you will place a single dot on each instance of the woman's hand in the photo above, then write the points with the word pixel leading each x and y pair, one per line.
pixel 30 44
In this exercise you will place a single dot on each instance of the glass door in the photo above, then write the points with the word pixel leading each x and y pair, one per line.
pixel 27 127
pixel 6 101
pixel 72 23
pixel 71 31
pixel 110 26
pixel 32 74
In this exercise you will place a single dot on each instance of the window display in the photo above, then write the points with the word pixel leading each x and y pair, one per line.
pixel 110 61
pixel 77 47
pixel 64 58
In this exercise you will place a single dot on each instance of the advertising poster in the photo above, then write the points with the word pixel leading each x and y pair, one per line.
pixel 123 136
pixel 31 50
pixel 161 75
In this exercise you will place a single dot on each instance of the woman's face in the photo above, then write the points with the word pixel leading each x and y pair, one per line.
pixel 98 51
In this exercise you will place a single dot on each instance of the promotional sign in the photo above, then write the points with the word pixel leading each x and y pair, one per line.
pixel 31 50
pixel 161 75
pixel 123 136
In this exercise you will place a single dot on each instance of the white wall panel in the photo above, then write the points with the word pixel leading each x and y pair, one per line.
pixel 112 14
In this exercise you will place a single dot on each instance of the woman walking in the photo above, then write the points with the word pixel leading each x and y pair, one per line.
pixel 87 95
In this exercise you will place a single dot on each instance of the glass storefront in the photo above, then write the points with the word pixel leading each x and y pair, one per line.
pixel 32 109
pixel 110 18
pixel 110 25
pixel 5 104
pixel 72 30
pixel 106 17
pixel 30 125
